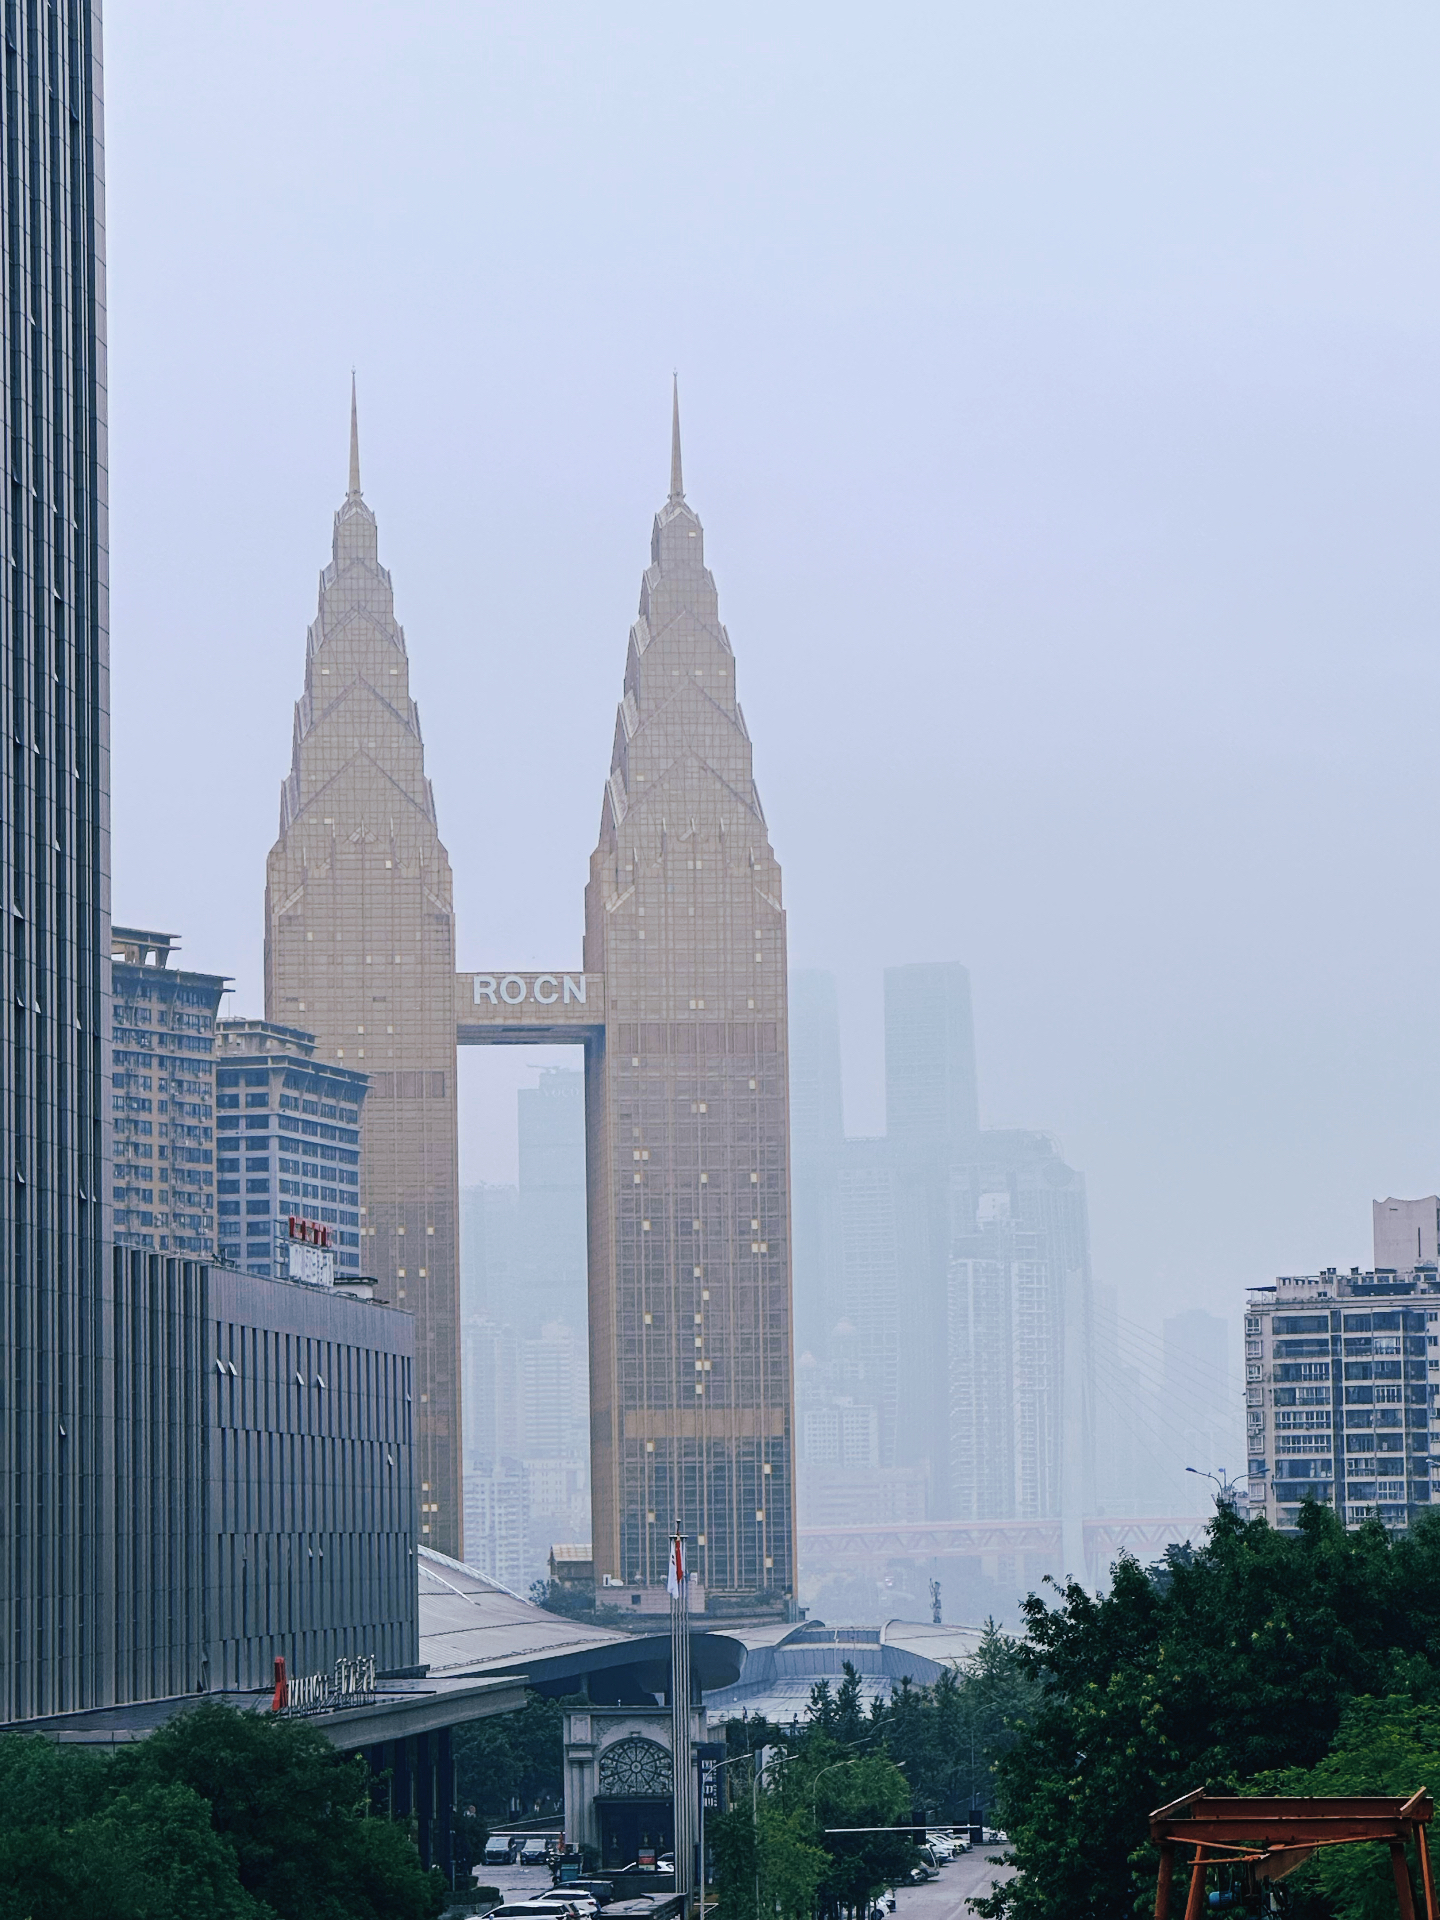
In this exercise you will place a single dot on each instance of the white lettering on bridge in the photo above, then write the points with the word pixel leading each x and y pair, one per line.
pixel 514 989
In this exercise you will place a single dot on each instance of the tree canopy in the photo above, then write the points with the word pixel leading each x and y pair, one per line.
pixel 923 1755
pixel 218 1815
pixel 1227 1667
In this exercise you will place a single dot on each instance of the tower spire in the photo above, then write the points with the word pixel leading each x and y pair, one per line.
pixel 677 486
pixel 354 491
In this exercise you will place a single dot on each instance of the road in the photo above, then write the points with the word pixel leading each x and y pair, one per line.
pixel 942 1899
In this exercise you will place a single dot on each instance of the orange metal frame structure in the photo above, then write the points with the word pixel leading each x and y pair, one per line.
pixel 1271 1837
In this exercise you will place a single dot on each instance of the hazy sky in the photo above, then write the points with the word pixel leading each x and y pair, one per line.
pixel 1061 402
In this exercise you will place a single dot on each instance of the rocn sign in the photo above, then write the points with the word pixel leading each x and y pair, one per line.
pixel 544 989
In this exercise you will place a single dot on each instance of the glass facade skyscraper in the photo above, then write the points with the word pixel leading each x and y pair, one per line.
pixel 360 953
pixel 689 1176
pixel 57 1647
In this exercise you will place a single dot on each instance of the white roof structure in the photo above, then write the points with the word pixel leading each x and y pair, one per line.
pixel 472 1626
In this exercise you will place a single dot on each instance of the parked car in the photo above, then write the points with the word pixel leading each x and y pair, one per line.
pixel 499 1850
pixel 532 1851
pixel 550 1908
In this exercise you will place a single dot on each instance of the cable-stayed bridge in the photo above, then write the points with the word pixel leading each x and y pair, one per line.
pixel 1106 1537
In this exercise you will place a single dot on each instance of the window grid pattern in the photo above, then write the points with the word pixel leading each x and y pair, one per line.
pixel 360 951
pixel 163 1107
pixel 1353 1429
pixel 57 1649
pixel 690 1322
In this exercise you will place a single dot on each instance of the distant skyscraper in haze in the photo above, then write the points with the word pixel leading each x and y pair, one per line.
pixel 930 1089
pixel 956 1261
pixel 360 951
pixel 931 1116
pixel 690 1313
pixel 817 1133
pixel 60 1615
pixel 488 1254
pixel 551 1219
pixel 1006 1353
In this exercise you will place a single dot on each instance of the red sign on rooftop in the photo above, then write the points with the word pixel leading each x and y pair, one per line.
pixel 310 1232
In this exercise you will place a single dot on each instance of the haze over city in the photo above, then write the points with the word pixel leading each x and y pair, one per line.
pixel 1058 399
pixel 721 1195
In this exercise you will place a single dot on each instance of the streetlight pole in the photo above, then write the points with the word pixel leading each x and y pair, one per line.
pixel 1222 1480
pixel 720 1766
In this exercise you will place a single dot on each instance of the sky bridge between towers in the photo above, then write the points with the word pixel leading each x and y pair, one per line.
pixel 529 1009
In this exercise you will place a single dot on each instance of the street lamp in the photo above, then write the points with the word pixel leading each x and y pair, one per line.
pixel 1229 1489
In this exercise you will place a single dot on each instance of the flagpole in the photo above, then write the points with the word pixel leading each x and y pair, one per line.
pixel 680 1753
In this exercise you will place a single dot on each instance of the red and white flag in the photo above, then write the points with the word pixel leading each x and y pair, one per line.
pixel 674 1586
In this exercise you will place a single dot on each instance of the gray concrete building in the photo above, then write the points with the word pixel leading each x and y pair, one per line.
pixel 1407 1233
pixel 287 1139
pixel 360 951
pixel 163 1082
pixel 263 1494
pixel 58 1577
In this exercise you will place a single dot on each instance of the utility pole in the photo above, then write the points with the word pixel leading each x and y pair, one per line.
pixel 682 1768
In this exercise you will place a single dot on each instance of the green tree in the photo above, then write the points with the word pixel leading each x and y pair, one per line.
pixel 1389 1746
pixel 1230 1662
pixel 512 1757
pixel 294 1811
pixel 842 1790
pixel 776 1844
pixel 217 1816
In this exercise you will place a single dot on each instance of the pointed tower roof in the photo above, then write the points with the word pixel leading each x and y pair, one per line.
pixel 353 492
pixel 677 485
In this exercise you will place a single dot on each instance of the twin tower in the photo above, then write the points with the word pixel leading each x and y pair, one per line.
pixel 679 1004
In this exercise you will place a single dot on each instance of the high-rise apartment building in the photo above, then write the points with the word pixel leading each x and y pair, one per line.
pixel 689 1269
pixel 58 1600
pixel 1006 1359
pixel 287 1138
pixel 164 1097
pixel 360 951
pixel 1342 1389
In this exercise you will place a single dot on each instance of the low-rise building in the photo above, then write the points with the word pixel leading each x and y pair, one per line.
pixel 1342 1375
pixel 287 1143
pixel 265 1498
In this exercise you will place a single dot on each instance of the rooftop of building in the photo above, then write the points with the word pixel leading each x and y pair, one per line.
pixel 472 1625
pixel 137 947
pixel 262 1036
pixel 1356 1284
